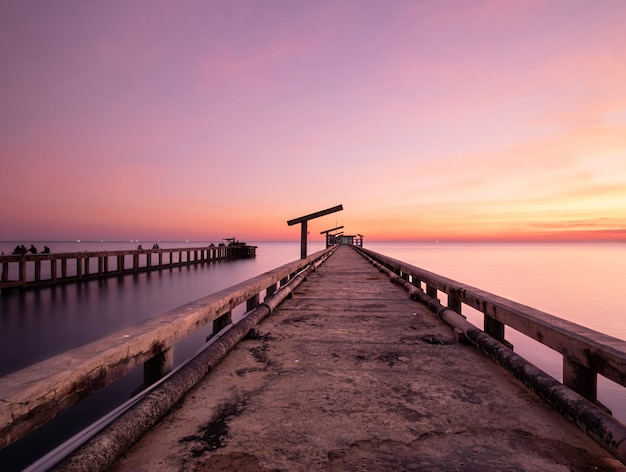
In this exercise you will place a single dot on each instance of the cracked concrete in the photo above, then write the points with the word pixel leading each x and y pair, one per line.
pixel 350 374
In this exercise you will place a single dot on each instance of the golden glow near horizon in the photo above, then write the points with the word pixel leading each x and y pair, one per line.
pixel 476 120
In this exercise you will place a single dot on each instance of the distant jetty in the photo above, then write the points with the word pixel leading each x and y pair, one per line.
pixel 45 269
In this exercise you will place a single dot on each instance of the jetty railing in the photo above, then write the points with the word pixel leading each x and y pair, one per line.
pixel 38 270
pixel 586 353
pixel 32 396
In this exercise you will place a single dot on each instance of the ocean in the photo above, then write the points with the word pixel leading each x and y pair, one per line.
pixel 580 282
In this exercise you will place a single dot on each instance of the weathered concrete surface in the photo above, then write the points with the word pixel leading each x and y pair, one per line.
pixel 351 375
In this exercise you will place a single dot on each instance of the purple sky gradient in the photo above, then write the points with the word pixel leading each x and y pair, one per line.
pixel 203 119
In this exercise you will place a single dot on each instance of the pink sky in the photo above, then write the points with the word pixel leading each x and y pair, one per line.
pixel 427 120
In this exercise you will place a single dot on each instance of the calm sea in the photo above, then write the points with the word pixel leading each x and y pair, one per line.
pixel 581 282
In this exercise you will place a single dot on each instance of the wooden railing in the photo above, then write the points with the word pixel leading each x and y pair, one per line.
pixel 37 270
pixel 32 396
pixel 585 352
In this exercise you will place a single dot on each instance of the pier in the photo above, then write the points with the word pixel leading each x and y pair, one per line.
pixel 346 360
pixel 40 270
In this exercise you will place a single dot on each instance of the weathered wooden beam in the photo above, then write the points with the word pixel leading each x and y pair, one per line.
pixel 304 231
pixel 317 214
pixel 329 230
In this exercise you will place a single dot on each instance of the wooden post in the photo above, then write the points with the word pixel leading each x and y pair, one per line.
pixel 581 379
pixel 329 236
pixel 304 231
pixel 303 239
pixel 155 368
pixel 269 291
pixel 454 303
pixel 415 281
pixel 23 270
pixel 252 302
pixel 37 270
pixel 495 329
pixel 221 322
pixel 431 291
pixel 53 269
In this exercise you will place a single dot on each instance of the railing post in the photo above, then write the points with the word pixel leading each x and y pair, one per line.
pixel 494 328
pixel 79 267
pixel 431 291
pixel 454 303
pixel 5 271
pixel 155 368
pixel 415 281
pixel 252 302
pixel 23 270
pixel 221 322
pixel 37 270
pixel 581 379
pixel 269 291
pixel 53 269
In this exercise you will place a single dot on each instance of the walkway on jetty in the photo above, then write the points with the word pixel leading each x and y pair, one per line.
pixel 350 374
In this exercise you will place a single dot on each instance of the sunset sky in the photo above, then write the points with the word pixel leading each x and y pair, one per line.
pixel 428 120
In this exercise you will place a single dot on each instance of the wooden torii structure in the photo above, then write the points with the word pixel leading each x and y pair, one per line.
pixel 329 236
pixel 304 219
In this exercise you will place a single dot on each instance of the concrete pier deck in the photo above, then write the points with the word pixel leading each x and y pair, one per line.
pixel 350 374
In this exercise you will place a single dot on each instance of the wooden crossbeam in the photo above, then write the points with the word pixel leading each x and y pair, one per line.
pixel 303 221
pixel 317 214
pixel 329 230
